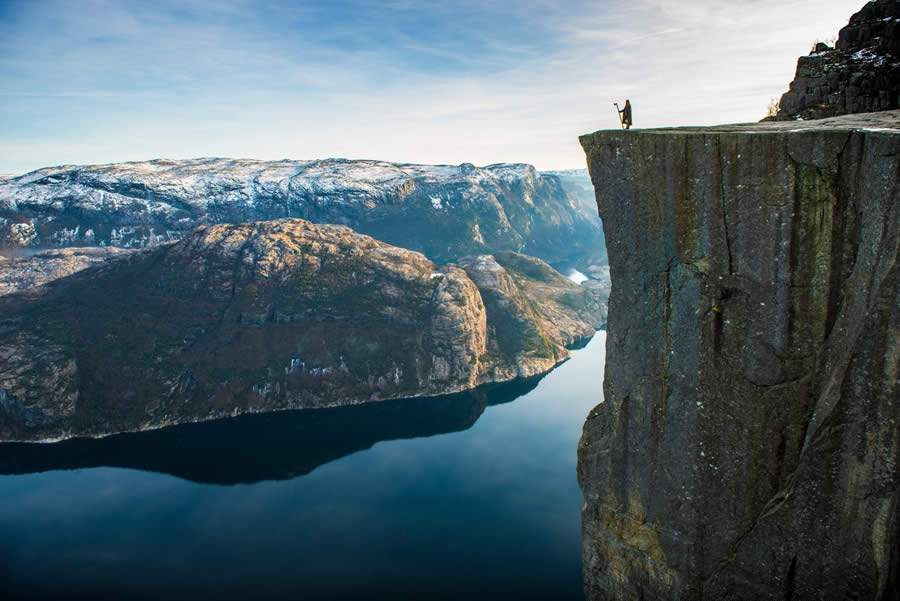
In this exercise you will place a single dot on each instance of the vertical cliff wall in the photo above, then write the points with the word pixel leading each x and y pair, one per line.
pixel 748 444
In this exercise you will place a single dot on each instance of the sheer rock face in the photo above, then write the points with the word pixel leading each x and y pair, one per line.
pixel 256 317
pixel 860 74
pixel 443 211
pixel 747 446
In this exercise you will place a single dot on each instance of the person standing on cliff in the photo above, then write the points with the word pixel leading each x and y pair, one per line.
pixel 626 114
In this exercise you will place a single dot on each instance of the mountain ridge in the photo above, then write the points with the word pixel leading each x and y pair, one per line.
pixel 445 211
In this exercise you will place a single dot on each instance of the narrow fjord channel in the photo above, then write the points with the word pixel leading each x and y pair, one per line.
pixel 470 496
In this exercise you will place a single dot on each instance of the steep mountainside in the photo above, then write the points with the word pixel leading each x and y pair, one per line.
pixel 860 74
pixel 272 315
pixel 443 211
pixel 747 446
pixel 577 183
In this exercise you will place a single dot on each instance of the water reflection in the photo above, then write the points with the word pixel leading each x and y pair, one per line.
pixel 273 446
pixel 464 503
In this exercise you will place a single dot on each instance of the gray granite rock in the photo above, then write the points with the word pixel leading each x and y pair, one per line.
pixel 747 445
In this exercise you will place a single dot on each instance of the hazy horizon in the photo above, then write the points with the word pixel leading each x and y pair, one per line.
pixel 396 80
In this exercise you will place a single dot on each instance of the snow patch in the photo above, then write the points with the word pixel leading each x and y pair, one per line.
pixel 868 56
pixel 576 276
pixel 23 233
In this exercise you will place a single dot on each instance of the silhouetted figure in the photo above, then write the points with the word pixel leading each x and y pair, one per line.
pixel 626 114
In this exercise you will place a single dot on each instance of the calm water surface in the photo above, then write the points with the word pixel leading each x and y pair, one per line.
pixel 465 497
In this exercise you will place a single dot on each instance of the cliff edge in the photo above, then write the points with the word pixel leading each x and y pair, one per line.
pixel 747 446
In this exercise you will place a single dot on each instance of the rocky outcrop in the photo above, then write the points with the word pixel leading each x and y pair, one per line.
pixel 444 211
pixel 860 74
pixel 747 446
pixel 270 315
pixel 24 271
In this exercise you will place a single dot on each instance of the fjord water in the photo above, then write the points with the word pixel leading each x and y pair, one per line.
pixel 469 496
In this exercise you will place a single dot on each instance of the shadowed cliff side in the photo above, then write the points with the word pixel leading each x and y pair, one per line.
pixel 748 444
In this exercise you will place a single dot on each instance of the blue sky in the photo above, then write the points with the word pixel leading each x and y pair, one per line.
pixel 87 81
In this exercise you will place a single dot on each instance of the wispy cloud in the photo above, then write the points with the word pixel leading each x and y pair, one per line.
pixel 99 81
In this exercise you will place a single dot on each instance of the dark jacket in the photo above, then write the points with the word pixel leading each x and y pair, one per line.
pixel 626 114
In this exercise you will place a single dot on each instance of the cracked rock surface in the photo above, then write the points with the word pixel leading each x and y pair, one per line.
pixel 747 445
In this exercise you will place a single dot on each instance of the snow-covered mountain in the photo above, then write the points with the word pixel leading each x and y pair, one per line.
pixel 442 210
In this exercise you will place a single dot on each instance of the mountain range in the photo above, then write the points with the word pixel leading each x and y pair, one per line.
pixel 443 211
